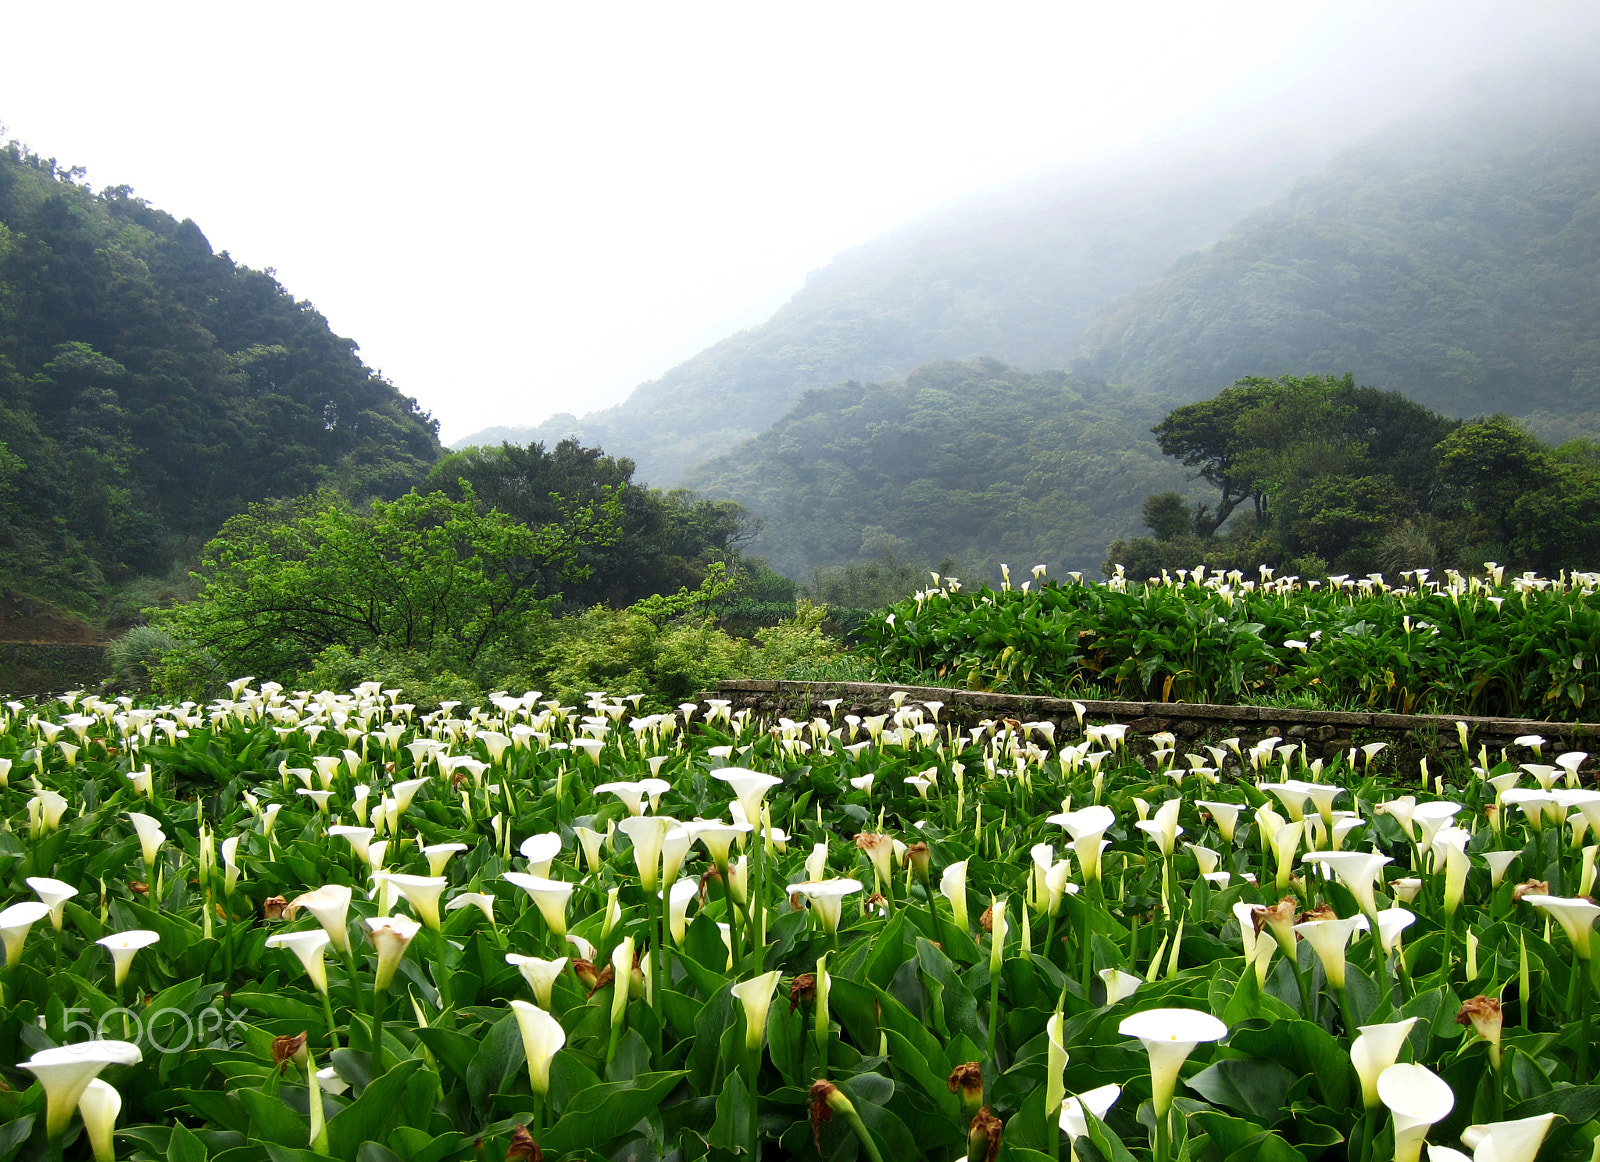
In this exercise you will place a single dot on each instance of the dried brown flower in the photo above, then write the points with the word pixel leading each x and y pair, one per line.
pixel 1484 1015
pixel 1530 888
pixel 802 990
pixel 966 1082
pixel 820 1110
pixel 286 1049
pixel 986 921
pixel 139 887
pixel 983 1138
pixel 592 977
pixel 1283 912
pixel 523 1147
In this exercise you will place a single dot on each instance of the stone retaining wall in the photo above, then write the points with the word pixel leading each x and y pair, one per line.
pixel 1326 733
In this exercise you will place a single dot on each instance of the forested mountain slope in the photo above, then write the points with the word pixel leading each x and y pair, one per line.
pixel 1454 257
pixel 1016 276
pixel 150 388
pixel 976 462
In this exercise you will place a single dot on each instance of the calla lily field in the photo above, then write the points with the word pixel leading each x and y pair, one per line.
pixel 292 925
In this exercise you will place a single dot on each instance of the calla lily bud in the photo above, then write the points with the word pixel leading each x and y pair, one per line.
pixel 997 935
pixel 1055 1065
pixel 755 995
pixel 99 1107
pixel 953 886
pixel 542 1037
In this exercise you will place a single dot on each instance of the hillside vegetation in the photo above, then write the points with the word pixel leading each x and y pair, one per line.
pixel 150 388
pixel 1454 257
pixel 977 462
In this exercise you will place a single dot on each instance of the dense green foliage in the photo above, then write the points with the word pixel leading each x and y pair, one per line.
pixel 976 462
pixel 1016 275
pixel 581 965
pixel 1348 479
pixel 665 541
pixel 150 388
pixel 1464 646
pixel 1455 256
pixel 287 580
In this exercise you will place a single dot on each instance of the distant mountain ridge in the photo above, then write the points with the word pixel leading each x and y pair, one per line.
pixel 975 461
pixel 1016 276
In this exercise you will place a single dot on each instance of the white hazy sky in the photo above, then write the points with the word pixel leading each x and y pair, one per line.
pixel 519 209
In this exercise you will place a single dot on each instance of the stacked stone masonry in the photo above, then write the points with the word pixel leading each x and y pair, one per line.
pixel 1326 733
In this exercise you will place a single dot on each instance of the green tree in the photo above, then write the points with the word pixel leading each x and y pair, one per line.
pixel 665 540
pixel 286 580
pixel 1493 462
pixel 1166 515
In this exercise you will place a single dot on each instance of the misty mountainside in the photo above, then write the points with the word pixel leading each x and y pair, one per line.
pixel 1454 257
pixel 1016 276
pixel 150 388
pixel 974 462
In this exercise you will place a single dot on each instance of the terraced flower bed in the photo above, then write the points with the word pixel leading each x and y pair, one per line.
pixel 1517 647
pixel 285 926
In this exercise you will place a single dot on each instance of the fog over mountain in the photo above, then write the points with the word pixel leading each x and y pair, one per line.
pixel 1016 275
pixel 1454 256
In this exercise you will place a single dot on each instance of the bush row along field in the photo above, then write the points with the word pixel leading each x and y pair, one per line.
pixel 1520 647
pixel 285 926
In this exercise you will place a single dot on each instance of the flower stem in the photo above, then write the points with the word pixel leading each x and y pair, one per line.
pixel 994 1016
pixel 377 1029
pixel 755 1122
pixel 327 1014
pixel 441 969
pixel 853 1119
